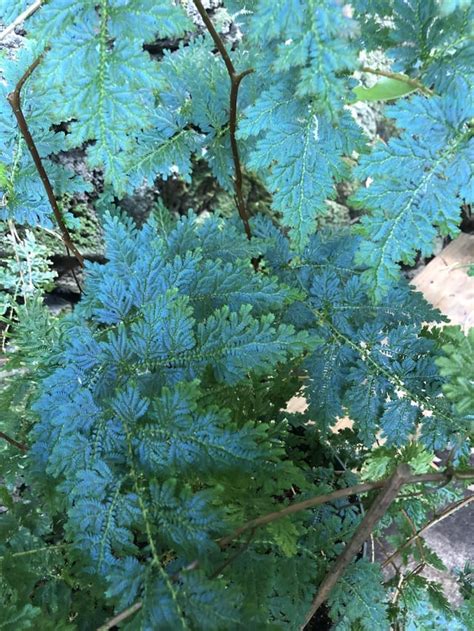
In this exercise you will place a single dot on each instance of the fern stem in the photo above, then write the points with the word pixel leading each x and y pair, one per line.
pixel 414 83
pixel 13 442
pixel 14 98
pixel 48 549
pixel 235 79
pixel 379 507
pixel 263 520
pixel 120 617
pixel 167 580
pixel 236 554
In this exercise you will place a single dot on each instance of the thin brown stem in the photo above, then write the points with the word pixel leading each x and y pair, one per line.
pixel 379 507
pixel 398 589
pixel 215 36
pixel 386 554
pixel 232 558
pixel 263 520
pixel 14 98
pixel 315 501
pixel 235 79
pixel 238 177
pixel 415 534
pixel 414 83
pixel 402 579
pixel 13 442
pixel 74 275
pixel 120 617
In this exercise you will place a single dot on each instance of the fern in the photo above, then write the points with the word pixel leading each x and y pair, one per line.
pixel 352 602
pixel 419 182
pixel 318 58
pixel 100 456
pixel 427 39
pixel 293 144
pixel 373 362
pixel 455 365
pixel 151 468
pixel 120 89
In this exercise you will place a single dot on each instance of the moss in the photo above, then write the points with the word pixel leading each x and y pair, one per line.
pixel 83 226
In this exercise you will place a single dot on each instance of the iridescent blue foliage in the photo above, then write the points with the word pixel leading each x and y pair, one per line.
pixel 162 423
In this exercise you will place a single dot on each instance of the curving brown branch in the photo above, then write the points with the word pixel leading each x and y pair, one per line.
pixel 120 617
pixel 14 98
pixel 401 477
pixel 377 510
pixel 235 79
pixel 13 442
pixel 263 520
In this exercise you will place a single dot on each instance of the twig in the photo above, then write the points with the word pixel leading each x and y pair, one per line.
pixel 436 520
pixel 415 534
pixel 120 617
pixel 14 98
pixel 379 507
pixel 263 520
pixel 74 275
pixel 403 578
pixel 414 83
pixel 386 555
pixel 372 548
pixel 13 442
pixel 314 501
pixel 21 18
pixel 398 589
pixel 235 79
pixel 232 558
pixel 23 553
pixel 335 495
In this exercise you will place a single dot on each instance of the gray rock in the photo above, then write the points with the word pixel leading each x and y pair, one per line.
pixel 140 204
pixel 338 214
pixel 367 116
pixel 57 305
pixel 66 284
pixel 453 541
pixel 220 17
pixel 11 42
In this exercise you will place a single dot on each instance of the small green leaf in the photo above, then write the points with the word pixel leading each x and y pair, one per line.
pixel 285 534
pixel 385 89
